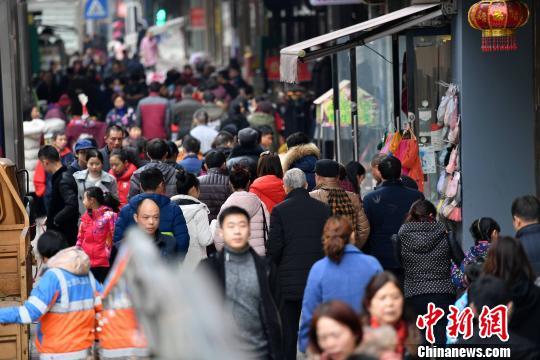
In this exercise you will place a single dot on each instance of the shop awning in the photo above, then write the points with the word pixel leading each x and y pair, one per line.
pixel 352 36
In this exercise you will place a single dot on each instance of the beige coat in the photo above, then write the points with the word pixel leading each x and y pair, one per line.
pixel 362 222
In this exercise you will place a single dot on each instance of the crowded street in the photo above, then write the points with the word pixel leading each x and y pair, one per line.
pixel 255 179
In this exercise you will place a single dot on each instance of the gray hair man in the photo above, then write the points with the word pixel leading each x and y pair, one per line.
pixel 294 245
pixel 294 179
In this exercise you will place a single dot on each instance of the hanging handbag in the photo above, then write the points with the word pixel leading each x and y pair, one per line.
pixel 452 188
pixel 455 214
pixel 452 162
pixel 453 134
pixel 443 183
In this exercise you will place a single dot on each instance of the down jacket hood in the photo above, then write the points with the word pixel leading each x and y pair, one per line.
pixel 72 259
pixel 190 206
pixel 269 189
pixel 298 152
pixel 422 237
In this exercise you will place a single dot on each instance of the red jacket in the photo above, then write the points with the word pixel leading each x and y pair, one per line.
pixel 269 189
pixel 96 234
pixel 123 182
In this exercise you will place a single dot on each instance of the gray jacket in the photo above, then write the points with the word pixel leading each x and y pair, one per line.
pixel 169 175
pixel 107 183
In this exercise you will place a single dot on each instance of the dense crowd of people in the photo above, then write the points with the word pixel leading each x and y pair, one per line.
pixel 229 183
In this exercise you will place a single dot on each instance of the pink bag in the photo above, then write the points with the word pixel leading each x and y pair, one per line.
pixel 452 163
pixel 455 214
pixel 453 134
pixel 452 188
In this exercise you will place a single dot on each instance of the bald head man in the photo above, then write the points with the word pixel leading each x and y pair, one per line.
pixel 147 216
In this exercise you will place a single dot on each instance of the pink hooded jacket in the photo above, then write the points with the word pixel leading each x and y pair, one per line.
pixel 255 207
pixel 95 235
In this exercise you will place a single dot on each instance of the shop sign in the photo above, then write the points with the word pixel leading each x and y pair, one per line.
pixel 333 2
pixel 198 18
pixel 271 65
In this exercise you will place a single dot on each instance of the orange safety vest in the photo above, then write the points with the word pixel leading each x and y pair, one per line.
pixel 118 331
pixel 67 328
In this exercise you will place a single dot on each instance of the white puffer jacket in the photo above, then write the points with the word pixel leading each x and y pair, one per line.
pixel 33 131
pixel 200 236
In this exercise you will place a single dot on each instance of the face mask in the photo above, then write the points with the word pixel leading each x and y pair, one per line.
pixel 117 88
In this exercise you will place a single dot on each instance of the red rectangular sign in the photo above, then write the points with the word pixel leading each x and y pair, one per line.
pixel 197 18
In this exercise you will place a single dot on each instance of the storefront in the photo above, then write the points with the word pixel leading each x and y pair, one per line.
pixel 398 67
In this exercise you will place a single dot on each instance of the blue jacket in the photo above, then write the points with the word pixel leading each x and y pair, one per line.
pixel 171 220
pixel 530 238
pixel 192 164
pixel 386 209
pixel 345 281
pixel 307 165
pixel 63 303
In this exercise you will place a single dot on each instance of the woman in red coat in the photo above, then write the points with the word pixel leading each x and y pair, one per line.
pixel 122 170
pixel 97 228
pixel 269 183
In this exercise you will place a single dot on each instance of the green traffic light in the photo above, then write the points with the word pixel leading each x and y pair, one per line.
pixel 161 17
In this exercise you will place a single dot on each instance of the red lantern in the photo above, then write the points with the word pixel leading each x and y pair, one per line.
pixel 498 21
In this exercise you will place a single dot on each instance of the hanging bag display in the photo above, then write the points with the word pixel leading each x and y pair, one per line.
pixel 452 188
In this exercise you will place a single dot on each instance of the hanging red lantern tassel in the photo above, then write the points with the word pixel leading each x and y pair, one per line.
pixel 498 21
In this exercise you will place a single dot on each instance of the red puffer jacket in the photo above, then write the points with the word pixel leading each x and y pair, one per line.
pixel 96 234
pixel 123 182
pixel 269 189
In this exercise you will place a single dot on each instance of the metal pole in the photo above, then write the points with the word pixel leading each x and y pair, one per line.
pixel 337 121
pixel 395 78
pixel 354 103
pixel 24 56
pixel 11 82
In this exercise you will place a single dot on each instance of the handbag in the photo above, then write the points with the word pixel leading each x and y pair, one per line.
pixel 455 214
pixel 452 188
pixel 452 162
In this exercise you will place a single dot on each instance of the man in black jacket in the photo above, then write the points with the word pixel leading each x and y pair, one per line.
pixel 526 218
pixel 294 245
pixel 245 280
pixel 63 212
pixel 214 186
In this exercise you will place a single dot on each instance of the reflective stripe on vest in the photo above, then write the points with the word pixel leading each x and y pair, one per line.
pixel 73 306
pixel 126 352
pixel 64 294
pixel 65 306
pixel 76 355
pixel 38 304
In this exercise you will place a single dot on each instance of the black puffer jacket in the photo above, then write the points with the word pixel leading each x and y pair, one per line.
pixel 294 242
pixel 214 187
pixel 248 156
pixel 63 212
pixel 425 256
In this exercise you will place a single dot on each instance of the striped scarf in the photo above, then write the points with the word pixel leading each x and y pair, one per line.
pixel 340 203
